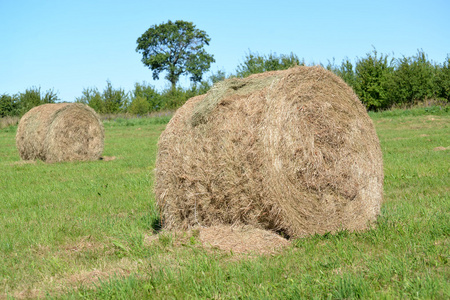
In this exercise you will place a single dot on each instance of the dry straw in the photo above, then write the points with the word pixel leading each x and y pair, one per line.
pixel 60 132
pixel 291 151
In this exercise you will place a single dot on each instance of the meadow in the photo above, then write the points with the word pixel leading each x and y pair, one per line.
pixel 88 229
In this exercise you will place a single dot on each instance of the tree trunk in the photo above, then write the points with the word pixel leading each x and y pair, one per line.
pixel 173 80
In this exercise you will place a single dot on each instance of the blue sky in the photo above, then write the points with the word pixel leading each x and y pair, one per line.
pixel 71 45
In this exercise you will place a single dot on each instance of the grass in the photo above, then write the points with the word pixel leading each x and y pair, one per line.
pixel 85 229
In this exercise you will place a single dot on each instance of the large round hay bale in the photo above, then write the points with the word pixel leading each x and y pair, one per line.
pixel 60 132
pixel 292 151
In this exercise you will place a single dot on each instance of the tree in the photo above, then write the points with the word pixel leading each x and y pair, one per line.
pixel 149 93
pixel 110 101
pixel 8 105
pixel 139 106
pixel 114 100
pixel 346 72
pixel 93 98
pixel 412 80
pixel 371 74
pixel 33 97
pixel 443 79
pixel 175 47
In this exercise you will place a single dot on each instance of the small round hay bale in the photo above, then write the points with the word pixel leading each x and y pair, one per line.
pixel 291 151
pixel 60 132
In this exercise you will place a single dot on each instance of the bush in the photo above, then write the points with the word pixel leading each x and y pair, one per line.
pixel 255 63
pixel 115 100
pixel 93 98
pixel 110 101
pixel 8 106
pixel 413 80
pixel 379 81
pixel 443 79
pixel 149 94
pixel 371 74
pixel 33 97
pixel 139 106
pixel 172 99
pixel 345 71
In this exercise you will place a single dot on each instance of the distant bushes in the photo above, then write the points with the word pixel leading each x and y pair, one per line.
pixel 255 63
pixel 111 100
pixel 20 103
pixel 143 99
pixel 380 81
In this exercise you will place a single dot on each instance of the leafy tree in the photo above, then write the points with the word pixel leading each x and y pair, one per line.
pixel 173 99
pixel 8 105
pixel 114 100
pixel 149 94
pixel 443 79
pixel 175 47
pixel 346 72
pixel 255 63
pixel 139 106
pixel 370 77
pixel 33 97
pixel 412 80
pixel 93 98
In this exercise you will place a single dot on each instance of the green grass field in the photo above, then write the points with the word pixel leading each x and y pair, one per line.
pixel 85 229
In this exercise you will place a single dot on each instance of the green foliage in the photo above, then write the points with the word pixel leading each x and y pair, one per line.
pixel 139 106
pixel 114 100
pixel 371 74
pixel 110 101
pixel 150 94
pixel 255 63
pixel 33 97
pixel 8 106
pixel 175 47
pixel 19 104
pixel 93 98
pixel 345 71
pixel 412 80
pixel 174 98
pixel 379 81
pixel 443 79
pixel 382 83
pixel 29 99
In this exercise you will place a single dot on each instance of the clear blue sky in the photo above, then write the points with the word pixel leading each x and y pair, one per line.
pixel 70 45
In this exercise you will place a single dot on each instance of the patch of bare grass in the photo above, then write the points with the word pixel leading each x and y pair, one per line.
pixel 440 148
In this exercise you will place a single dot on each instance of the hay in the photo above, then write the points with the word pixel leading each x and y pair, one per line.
pixel 290 151
pixel 60 132
pixel 242 239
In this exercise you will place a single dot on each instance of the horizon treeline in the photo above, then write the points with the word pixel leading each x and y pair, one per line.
pixel 380 82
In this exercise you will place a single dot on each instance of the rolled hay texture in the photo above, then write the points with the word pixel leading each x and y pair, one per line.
pixel 291 151
pixel 60 132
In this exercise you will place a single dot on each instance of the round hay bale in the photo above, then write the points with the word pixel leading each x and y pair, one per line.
pixel 291 151
pixel 60 132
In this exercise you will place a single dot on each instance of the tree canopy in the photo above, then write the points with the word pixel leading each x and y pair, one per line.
pixel 175 47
